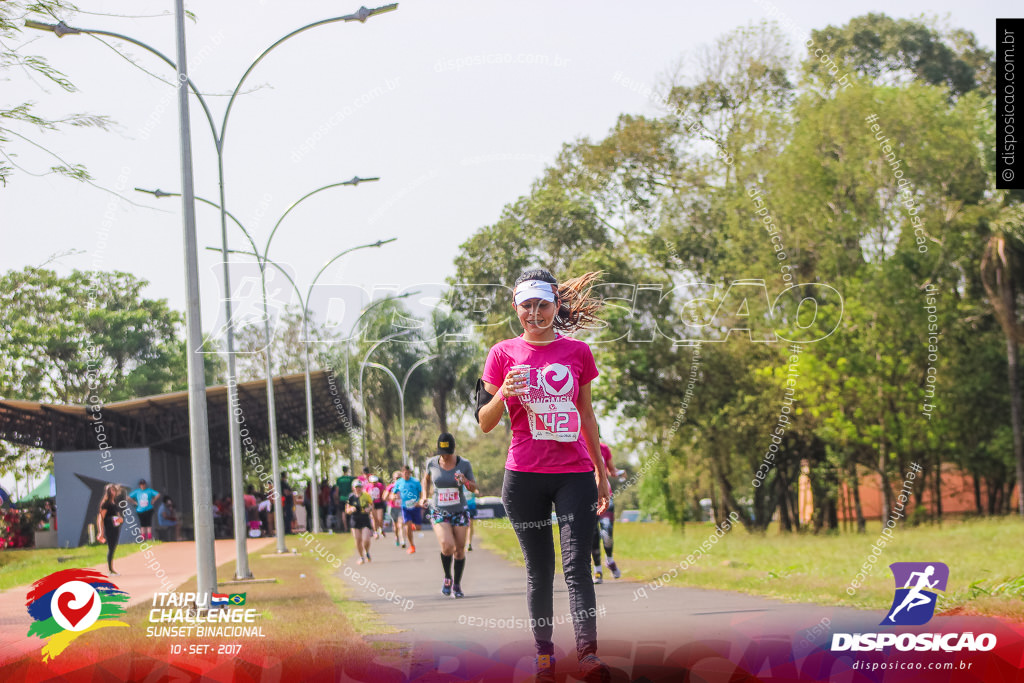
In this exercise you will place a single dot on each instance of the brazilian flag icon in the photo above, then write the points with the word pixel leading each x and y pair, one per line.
pixel 237 598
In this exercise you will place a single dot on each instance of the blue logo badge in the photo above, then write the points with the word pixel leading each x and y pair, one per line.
pixel 917 584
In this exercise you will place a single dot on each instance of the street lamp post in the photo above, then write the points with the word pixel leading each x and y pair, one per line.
pixel 362 398
pixel 405 381
pixel 355 324
pixel 262 258
pixel 401 395
pixel 304 302
pixel 61 29
pixel 199 435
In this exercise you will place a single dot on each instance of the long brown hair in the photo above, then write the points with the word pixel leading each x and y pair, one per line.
pixel 577 308
pixel 110 493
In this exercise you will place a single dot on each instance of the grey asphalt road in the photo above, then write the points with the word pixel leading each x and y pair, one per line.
pixel 712 634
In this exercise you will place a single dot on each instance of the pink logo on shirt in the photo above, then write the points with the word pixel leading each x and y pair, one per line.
pixel 557 379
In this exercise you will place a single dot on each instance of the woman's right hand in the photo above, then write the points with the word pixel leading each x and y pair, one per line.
pixel 514 384
pixel 101 538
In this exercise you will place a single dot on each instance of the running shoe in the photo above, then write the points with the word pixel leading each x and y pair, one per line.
pixel 403 544
pixel 360 560
pixel 470 547
pixel 446 587
pixel 594 670
pixel 598 577
pixel 615 568
pixel 398 543
pixel 458 591
pixel 545 669
pixel 411 549
pixel 367 555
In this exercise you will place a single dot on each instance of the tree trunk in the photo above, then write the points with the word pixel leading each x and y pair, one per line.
pixel 977 494
pixel 441 410
pixel 884 484
pixel 993 495
pixel 1007 294
pixel 937 488
pixel 730 504
pixel 1015 415
pixel 783 501
pixel 858 508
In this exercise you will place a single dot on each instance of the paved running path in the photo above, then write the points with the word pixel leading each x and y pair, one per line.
pixel 444 633
pixel 178 560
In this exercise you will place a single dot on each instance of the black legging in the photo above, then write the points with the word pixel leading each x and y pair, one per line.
pixel 528 497
pixel 112 533
pixel 609 544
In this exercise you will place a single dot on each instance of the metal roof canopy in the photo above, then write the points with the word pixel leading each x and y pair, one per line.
pixel 162 421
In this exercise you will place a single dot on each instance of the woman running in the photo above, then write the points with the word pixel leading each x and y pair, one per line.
pixel 108 521
pixel 359 508
pixel 376 490
pixel 449 476
pixel 543 379
pixel 410 491
pixel 605 526
pixel 395 507
pixel 471 509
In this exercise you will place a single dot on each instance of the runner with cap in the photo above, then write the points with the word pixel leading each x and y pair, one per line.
pixel 145 498
pixel 447 478
pixel 359 507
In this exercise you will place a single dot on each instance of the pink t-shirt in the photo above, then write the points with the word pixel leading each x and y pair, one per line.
pixel 376 491
pixel 606 453
pixel 546 428
pixel 387 496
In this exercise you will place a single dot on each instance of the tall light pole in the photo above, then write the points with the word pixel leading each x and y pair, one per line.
pixel 61 29
pixel 199 435
pixel 262 258
pixel 401 395
pixel 348 340
pixel 405 381
pixel 304 302
pixel 362 398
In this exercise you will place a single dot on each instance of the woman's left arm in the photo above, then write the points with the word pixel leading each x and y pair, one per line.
pixel 588 421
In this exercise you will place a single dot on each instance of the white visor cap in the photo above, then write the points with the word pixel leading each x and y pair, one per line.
pixel 534 289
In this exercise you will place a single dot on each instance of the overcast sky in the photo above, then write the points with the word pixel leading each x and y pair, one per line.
pixel 456 105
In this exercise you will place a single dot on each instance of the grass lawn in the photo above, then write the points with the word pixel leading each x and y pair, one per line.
pixel 20 566
pixel 986 571
pixel 307 610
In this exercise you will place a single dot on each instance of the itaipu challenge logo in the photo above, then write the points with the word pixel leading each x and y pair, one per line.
pixel 70 603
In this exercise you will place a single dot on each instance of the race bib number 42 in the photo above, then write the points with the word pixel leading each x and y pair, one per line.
pixel 554 421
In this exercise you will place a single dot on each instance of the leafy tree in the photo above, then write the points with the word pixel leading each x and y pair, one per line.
pixel 895 51
pixel 89 332
pixel 452 375
pixel 19 123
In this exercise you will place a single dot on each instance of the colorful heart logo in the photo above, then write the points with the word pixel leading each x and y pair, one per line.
pixel 75 606
pixel 72 614
pixel 557 379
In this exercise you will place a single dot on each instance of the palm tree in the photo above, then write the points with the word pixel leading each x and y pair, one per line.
pixel 452 374
pixel 1002 257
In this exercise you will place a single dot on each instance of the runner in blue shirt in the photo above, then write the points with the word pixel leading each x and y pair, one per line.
pixel 145 499
pixel 409 491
